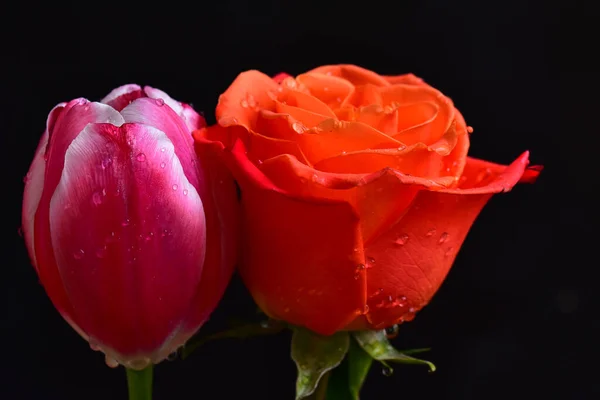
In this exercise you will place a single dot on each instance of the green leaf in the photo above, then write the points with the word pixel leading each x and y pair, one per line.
pixel 377 345
pixel 346 381
pixel 315 355
pixel 239 332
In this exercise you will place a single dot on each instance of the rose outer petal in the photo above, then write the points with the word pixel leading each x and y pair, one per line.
pixel 301 278
pixel 412 259
pixel 126 221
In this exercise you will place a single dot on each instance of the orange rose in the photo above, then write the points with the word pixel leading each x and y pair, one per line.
pixel 357 192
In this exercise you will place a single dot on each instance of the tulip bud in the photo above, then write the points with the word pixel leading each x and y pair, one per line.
pixel 132 235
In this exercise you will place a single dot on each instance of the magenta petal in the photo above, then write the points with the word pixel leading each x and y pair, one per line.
pixel 34 184
pixel 191 118
pixel 156 113
pixel 129 232
pixel 120 97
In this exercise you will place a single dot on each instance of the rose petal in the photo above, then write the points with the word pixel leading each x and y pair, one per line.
pixel 414 256
pixel 444 158
pixel 409 94
pixel 120 97
pixel 331 90
pixel 133 228
pixel 304 108
pixel 352 73
pixel 406 79
pixel 379 198
pixel 300 266
pixel 363 96
pixel 247 92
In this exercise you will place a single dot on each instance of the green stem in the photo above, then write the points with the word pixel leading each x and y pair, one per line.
pixel 139 383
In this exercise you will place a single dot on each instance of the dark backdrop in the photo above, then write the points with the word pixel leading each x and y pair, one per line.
pixel 517 315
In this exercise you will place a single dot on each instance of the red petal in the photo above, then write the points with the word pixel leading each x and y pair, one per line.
pixel 414 256
pixel 298 265
pixel 129 235
pixel 120 97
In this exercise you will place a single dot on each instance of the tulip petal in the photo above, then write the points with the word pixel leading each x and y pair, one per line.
pixel 293 271
pixel 120 97
pixel 414 256
pixel 69 123
pixel 34 185
pixel 153 112
pixel 129 235
pixel 192 119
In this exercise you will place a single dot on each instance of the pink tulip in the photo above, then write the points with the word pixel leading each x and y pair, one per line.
pixel 132 235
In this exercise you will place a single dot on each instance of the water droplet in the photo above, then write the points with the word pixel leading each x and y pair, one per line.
pixel 162 165
pixel 430 232
pixel 164 233
pixel 106 162
pixel 160 102
pixel 371 261
pixel 443 237
pixel 141 157
pixel 173 356
pixel 343 152
pixel 298 127
pixel 101 252
pixel 448 252
pixel 260 162
pixel 97 198
pixel 78 255
pixel 392 331
pixel 469 129
pixel 94 347
pixel 175 187
pixel 402 239
pixel 82 101
pixel 244 103
pixel 162 149
pixel 149 237
pixel 185 192
pixel 111 362
pixel 412 310
pixel 125 222
pixel 483 175
pixel 387 371
pixel 251 101
pixel 402 147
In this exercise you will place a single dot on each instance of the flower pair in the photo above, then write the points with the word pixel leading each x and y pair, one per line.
pixel 356 195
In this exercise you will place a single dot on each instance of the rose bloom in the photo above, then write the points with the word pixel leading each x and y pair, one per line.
pixel 357 192
pixel 132 234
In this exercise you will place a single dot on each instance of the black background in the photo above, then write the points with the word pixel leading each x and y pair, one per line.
pixel 517 316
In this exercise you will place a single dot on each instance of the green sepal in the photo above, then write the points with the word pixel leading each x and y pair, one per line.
pixel 315 355
pixel 377 345
pixel 346 380
pixel 244 331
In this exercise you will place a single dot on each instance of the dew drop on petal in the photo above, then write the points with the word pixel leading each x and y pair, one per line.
pixel 141 157
pixel 443 238
pixel 162 165
pixel 430 232
pixel 162 149
pixel 175 187
pixel 160 102
pixel 387 371
pixel 185 192
pixel 78 255
pixel 402 239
